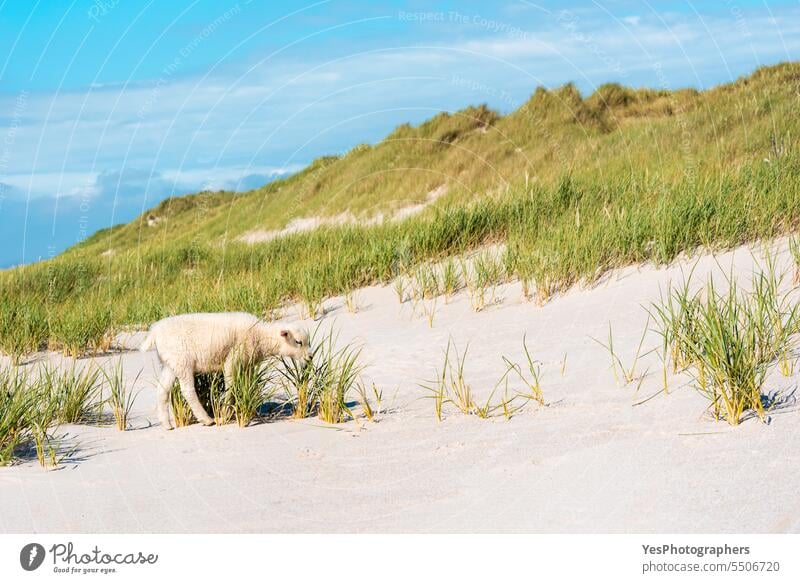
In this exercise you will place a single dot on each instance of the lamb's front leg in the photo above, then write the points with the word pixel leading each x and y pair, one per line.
pixel 187 388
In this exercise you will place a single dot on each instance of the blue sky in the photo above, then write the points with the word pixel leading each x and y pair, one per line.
pixel 109 106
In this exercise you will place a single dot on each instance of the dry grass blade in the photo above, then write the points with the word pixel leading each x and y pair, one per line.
pixel 532 382
pixel 352 301
pixel 449 384
pixel 623 375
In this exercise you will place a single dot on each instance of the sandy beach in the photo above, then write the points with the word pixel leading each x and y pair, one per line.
pixel 599 458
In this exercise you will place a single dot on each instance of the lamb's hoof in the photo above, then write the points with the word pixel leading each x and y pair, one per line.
pixel 166 426
pixel 207 422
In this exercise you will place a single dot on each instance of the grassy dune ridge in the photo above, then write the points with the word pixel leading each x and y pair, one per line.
pixel 574 186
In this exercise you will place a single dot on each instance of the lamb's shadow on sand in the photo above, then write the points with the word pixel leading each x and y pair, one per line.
pixel 273 411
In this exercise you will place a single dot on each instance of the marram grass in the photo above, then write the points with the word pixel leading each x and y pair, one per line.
pixel 449 385
pixel 635 188
pixel 76 394
pixel 29 416
pixel 730 339
pixel 323 385
pixel 624 222
pixel 121 397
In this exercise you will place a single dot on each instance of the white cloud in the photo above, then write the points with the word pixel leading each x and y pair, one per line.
pixel 233 178
pixel 49 184
pixel 511 48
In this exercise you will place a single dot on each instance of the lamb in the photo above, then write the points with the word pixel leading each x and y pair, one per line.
pixel 197 343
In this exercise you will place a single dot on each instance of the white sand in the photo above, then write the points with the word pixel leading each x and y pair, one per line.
pixel 298 225
pixel 589 462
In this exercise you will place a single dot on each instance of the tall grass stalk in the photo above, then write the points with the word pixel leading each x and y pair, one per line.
pixel 219 401
pixel 252 386
pixel 531 377
pixel 429 309
pixel 322 386
pixel 337 373
pixel 180 408
pixel 399 287
pixel 451 281
pixel 449 384
pixel 623 375
pixel 43 418
pixel 75 394
pixel 121 397
pixel 363 399
pixel 794 252
pixel 352 301
pixel 482 279
pixel 298 382
pixel 16 406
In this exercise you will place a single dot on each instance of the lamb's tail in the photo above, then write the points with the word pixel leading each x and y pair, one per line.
pixel 149 342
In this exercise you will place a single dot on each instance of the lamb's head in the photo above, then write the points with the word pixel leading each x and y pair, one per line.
pixel 294 344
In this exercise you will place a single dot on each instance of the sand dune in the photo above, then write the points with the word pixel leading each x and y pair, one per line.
pixel 593 460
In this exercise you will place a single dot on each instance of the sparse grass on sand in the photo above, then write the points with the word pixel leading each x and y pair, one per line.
pixel 624 375
pixel 76 394
pixel 369 411
pixel 210 388
pixel 322 386
pixel 449 385
pixel 16 404
pixel 729 339
pixel 252 387
pixel 794 251
pixel 33 406
pixel 337 372
pixel 530 376
pixel 30 413
pixel 121 397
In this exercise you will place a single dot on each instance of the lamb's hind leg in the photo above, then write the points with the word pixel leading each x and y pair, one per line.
pixel 187 388
pixel 164 387
pixel 228 369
